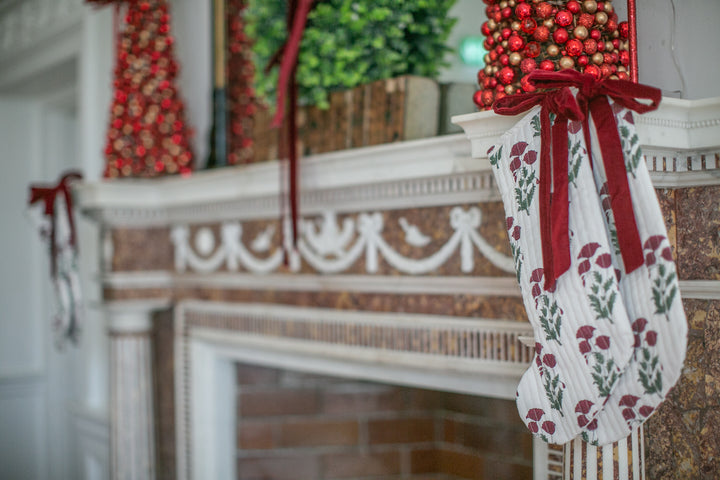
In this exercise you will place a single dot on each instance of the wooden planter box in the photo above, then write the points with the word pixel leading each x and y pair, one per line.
pixel 403 108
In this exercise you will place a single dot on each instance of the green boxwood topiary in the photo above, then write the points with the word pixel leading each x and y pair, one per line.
pixel 351 42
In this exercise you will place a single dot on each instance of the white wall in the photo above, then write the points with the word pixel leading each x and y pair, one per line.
pixel 23 403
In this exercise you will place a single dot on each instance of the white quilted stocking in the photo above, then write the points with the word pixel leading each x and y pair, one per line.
pixel 652 299
pixel 582 333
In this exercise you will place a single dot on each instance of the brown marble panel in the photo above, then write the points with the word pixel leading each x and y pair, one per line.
pixel 151 249
pixel 682 439
pixel 505 308
pixel 136 249
pixel 667 200
pixel 698 233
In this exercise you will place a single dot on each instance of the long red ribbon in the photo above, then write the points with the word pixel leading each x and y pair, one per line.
pixel 592 97
pixel 298 12
pixel 48 195
pixel 553 176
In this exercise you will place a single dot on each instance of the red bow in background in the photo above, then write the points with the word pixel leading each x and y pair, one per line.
pixel 591 100
pixel 48 195
pixel 287 57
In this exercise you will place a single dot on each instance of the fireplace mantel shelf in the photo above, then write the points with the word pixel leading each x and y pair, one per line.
pixel 401 275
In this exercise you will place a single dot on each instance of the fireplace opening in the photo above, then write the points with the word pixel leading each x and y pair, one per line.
pixel 302 426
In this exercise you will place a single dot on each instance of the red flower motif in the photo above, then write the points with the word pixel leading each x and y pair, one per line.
pixel 535 414
pixel 582 420
pixel 606 205
pixel 530 157
pixel 628 414
pixel 538 347
pixel 651 338
pixel 646 410
pixel 549 427
pixel 639 325
pixel 592 425
pixel 653 242
pixel 586 332
pixel 588 250
pixel 583 406
pixel 603 342
pixel 629 117
pixel 509 221
pixel 515 164
pixel 536 290
pixel 549 360
pixel 628 401
pixel 585 347
pixel 637 341
pixel 516 233
pixel 518 149
pixel 618 274
pixel 536 275
pixel 604 260
pixel 583 267
pixel 533 427
pixel 490 150
pixel 574 127
pixel 667 254
pixel 650 259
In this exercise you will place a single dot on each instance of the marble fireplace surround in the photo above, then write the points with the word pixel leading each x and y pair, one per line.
pixel 217 232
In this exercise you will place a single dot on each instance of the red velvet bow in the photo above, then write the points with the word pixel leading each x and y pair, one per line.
pixel 49 195
pixel 553 190
pixel 287 56
pixel 593 100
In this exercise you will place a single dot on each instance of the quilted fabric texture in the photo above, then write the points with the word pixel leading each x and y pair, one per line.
pixel 651 295
pixel 583 336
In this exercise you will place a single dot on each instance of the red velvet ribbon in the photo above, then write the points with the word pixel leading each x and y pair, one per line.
pixel 553 176
pixel 298 11
pixel 48 195
pixel 592 97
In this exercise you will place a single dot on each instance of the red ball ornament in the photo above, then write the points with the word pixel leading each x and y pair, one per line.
pixel 593 70
pixel 528 26
pixel 541 34
pixel 506 75
pixel 560 36
pixel 563 18
pixel 611 26
pixel 574 47
pixel 624 29
pixel 485 29
pixel 605 70
pixel 623 76
pixel 583 60
pixel 543 10
pixel 547 65
pixel 533 50
pixel 477 98
pixel 515 43
pixel 527 66
pixel 523 10
pixel 573 6
pixel 595 34
pixel 586 20
pixel 504 59
pixel 506 32
pixel 624 57
pixel 506 12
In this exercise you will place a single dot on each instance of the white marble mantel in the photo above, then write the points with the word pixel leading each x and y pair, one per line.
pixel 681 143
